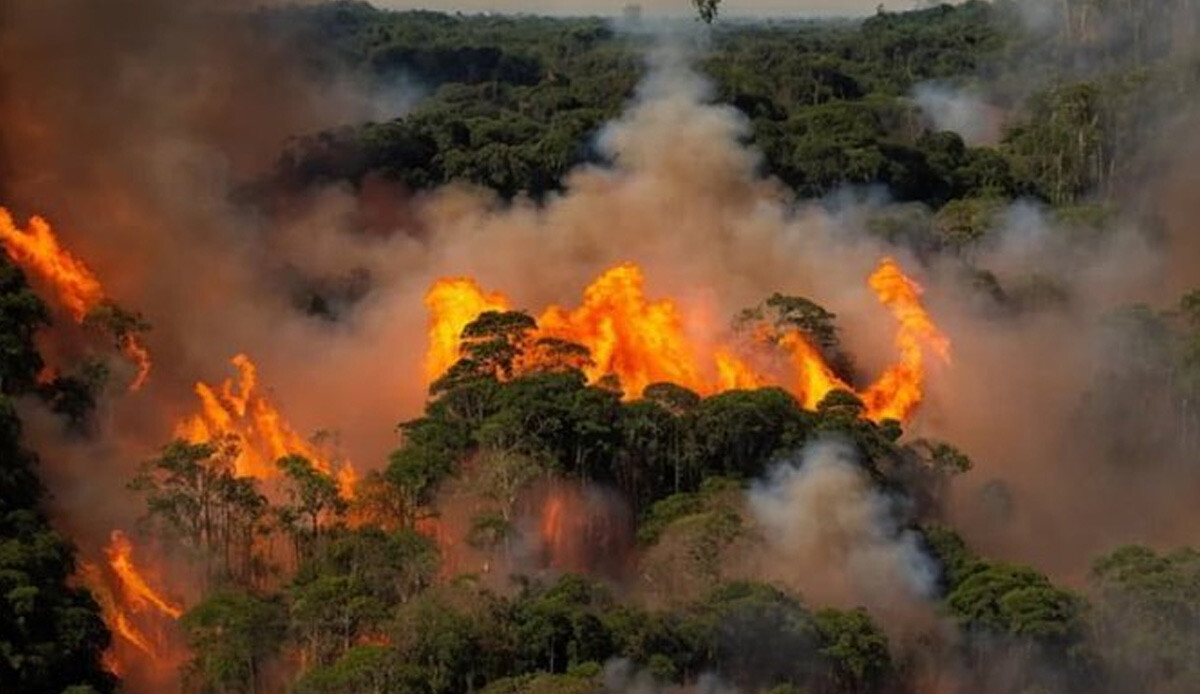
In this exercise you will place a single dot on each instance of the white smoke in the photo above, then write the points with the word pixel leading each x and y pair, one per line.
pixel 834 536
pixel 622 676
pixel 962 111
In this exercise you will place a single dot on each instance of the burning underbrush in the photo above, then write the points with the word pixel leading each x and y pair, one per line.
pixel 147 645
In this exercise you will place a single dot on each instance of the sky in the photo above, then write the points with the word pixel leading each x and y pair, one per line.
pixel 782 8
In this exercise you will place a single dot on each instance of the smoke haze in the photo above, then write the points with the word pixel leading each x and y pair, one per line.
pixel 676 8
pixel 133 125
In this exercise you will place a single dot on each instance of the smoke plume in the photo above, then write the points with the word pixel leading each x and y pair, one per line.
pixel 832 535
pixel 961 111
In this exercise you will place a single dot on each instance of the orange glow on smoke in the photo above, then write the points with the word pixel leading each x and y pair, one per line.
pixel 641 342
pixel 553 532
pixel 582 530
pixel 433 528
pixel 75 286
pixel 236 412
pixel 456 302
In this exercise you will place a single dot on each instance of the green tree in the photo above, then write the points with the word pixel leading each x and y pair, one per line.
pixel 707 9
pixel 362 670
pixel 759 635
pixel 1017 601
pixel 51 632
pixel 781 314
pixel 855 650
pixel 349 588
pixel 194 497
pixel 22 314
pixel 1146 618
pixel 561 627
pixel 232 636
pixel 315 501
pixel 491 347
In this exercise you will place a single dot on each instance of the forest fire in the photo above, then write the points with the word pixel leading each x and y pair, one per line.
pixel 138 615
pixel 38 251
pixel 137 591
pixel 236 412
pixel 582 530
pixel 456 302
pixel 641 342
pixel 898 390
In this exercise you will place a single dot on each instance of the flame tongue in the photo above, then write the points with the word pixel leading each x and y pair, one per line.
pixel 38 251
pixel 237 412
pixel 456 302
pixel 899 390
pixel 133 610
pixel 137 590
pixel 814 378
pixel 640 341
pixel 643 342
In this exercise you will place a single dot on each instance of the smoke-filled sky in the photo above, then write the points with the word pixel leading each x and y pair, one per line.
pixel 781 8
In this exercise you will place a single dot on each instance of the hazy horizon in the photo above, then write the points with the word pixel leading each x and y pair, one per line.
pixel 729 8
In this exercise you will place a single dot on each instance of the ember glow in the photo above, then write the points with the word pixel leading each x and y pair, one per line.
pixel 582 530
pixel 237 412
pixel 38 252
pixel 641 342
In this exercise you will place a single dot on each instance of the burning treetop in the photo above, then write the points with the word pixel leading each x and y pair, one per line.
pixel 38 251
pixel 618 333
pixel 239 415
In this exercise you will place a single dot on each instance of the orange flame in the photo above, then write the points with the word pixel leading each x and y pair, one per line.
pixel 456 302
pixel 898 390
pixel 238 413
pixel 37 251
pixel 735 374
pixel 139 356
pixel 643 342
pixel 640 341
pixel 119 623
pixel 135 612
pixel 136 589
pixel 814 378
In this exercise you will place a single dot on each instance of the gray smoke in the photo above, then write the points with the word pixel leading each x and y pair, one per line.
pixel 833 535
pixel 960 110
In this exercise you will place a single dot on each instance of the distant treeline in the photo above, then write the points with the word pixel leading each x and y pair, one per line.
pixel 512 103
